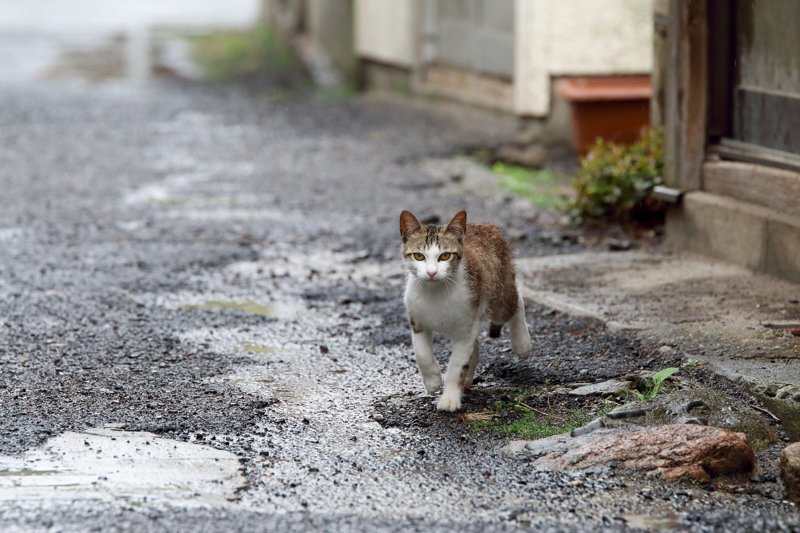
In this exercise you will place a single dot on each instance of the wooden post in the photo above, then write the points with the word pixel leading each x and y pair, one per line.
pixel 686 94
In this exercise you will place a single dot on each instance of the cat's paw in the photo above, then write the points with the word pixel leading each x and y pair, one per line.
pixel 449 401
pixel 432 383
pixel 522 346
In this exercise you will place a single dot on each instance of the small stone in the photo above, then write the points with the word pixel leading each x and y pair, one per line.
pixel 532 155
pixel 793 301
pixel 610 387
pixel 796 332
pixel 622 414
pixel 790 471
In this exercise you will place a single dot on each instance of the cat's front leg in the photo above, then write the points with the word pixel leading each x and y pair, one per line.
pixel 458 369
pixel 422 340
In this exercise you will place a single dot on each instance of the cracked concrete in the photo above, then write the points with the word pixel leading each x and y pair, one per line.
pixel 729 317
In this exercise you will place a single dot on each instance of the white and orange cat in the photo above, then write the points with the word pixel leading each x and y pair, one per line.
pixel 458 274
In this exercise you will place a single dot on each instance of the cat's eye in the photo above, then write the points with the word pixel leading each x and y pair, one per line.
pixel 419 257
pixel 445 256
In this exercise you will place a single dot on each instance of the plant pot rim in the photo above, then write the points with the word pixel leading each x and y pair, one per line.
pixel 604 88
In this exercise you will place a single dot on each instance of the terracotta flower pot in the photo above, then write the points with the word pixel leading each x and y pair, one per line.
pixel 612 107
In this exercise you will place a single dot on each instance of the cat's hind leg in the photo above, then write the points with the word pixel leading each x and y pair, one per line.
pixel 473 363
pixel 520 336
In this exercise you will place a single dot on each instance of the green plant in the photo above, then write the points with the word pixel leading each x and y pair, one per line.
pixel 518 418
pixel 250 54
pixel 614 180
pixel 690 363
pixel 336 94
pixel 542 187
pixel 653 386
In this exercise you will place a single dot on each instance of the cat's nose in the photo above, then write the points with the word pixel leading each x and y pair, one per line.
pixel 431 275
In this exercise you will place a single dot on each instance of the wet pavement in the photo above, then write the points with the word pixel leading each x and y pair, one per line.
pixel 194 276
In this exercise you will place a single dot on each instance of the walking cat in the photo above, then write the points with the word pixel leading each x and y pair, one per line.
pixel 458 274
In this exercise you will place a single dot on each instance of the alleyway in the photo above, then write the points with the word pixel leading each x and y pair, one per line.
pixel 219 268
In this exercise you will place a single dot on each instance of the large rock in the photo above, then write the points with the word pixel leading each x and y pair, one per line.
pixel 673 451
pixel 790 470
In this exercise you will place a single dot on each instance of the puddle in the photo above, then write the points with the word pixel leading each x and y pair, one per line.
pixel 109 463
pixel 272 310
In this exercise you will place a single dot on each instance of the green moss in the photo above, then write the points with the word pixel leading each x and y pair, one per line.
pixel 230 55
pixel 543 188
pixel 336 94
pixel 516 418
pixel 528 427
pixel 254 347
pixel 248 306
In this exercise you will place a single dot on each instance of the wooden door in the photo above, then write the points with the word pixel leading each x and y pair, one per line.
pixel 755 98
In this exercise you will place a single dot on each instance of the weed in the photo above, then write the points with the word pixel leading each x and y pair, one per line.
pixel 518 418
pixel 254 347
pixel 248 306
pixel 336 94
pixel 690 363
pixel 543 188
pixel 653 386
pixel 249 54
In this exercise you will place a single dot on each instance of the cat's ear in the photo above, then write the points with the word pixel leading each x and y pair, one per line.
pixel 409 224
pixel 457 225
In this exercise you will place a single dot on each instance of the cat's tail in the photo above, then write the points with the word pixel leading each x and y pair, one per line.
pixel 495 329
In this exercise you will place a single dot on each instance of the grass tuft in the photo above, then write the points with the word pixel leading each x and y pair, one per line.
pixel 517 418
pixel 255 54
pixel 543 188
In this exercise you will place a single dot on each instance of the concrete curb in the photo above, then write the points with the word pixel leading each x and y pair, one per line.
pixel 708 310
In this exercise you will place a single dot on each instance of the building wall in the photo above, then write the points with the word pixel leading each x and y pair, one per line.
pixel 384 31
pixel 331 24
pixel 577 37
pixel 551 38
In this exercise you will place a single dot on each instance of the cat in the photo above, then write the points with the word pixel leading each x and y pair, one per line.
pixel 458 274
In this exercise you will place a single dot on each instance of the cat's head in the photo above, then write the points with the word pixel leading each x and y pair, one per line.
pixel 433 253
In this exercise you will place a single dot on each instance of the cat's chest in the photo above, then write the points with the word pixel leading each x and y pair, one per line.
pixel 446 311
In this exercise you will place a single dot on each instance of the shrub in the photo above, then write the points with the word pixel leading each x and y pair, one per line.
pixel 614 181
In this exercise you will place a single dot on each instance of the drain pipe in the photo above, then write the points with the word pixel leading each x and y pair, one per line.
pixel 666 194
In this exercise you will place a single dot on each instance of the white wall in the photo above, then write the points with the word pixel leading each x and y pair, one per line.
pixel 574 37
pixel 384 31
